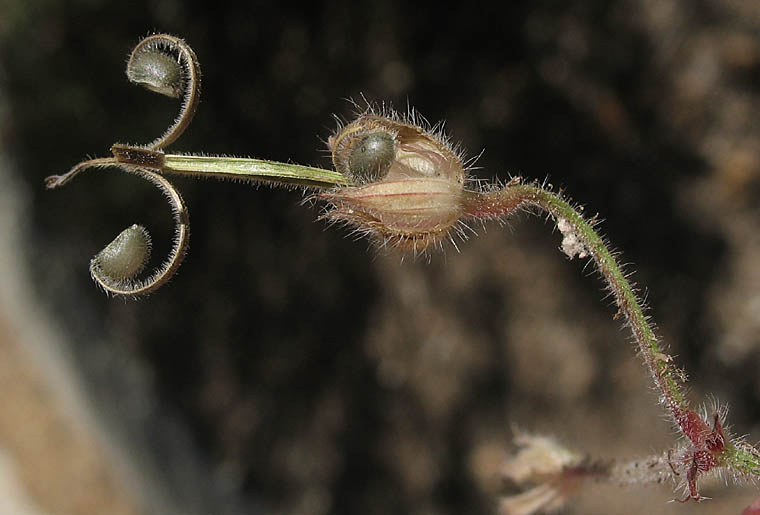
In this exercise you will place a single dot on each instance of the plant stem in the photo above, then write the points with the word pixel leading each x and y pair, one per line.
pixel 252 170
pixel 501 202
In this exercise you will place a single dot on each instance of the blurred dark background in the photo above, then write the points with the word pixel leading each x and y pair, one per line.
pixel 288 369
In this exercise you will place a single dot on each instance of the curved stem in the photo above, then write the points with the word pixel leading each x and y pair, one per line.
pixel 190 81
pixel 129 286
pixel 582 240
pixel 708 446
pixel 56 181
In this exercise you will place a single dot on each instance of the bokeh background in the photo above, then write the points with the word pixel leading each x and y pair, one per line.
pixel 288 369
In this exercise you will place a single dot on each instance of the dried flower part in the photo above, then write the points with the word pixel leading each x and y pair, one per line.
pixel 410 214
pixel 409 183
pixel 539 459
pixel 542 498
pixel 554 471
pixel 125 256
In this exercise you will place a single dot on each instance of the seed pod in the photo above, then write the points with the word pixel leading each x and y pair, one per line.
pixel 416 153
pixel 167 65
pixel 123 258
pixel 409 182
pixel 156 70
pixel 371 157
